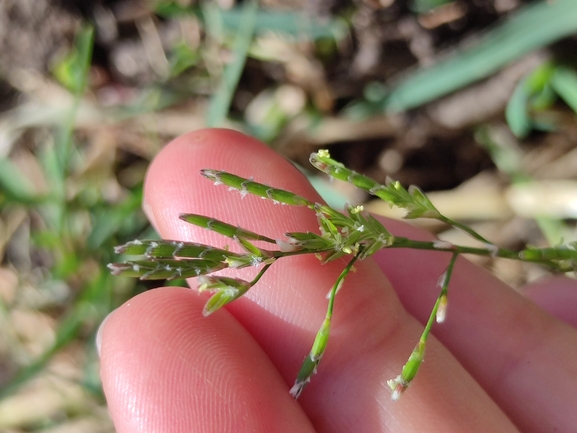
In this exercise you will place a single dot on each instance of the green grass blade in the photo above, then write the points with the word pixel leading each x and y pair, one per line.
pixel 15 186
pixel 108 221
pixel 294 24
pixel 517 112
pixel 74 75
pixel 72 72
pixel 533 27
pixel 564 81
pixel 220 102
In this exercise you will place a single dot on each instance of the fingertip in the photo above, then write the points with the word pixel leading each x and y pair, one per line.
pixel 174 185
pixel 98 338
pixel 165 367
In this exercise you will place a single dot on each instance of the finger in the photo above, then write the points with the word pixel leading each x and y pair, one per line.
pixel 166 368
pixel 522 356
pixel 557 296
pixel 371 335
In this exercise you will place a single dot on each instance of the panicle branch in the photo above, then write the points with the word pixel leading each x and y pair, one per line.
pixel 311 362
pixel 165 249
pixel 413 200
pixel 223 228
pixel 248 186
pixel 165 269
pixel 400 384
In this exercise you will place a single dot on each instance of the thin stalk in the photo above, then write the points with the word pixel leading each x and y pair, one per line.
pixel 463 227
pixel 494 251
pixel 339 282
pixel 444 288
pixel 260 274
pixel 309 366
pixel 410 369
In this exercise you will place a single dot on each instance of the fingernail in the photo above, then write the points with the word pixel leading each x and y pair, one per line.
pixel 149 212
pixel 98 339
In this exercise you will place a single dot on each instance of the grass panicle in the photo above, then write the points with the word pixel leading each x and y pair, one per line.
pixel 350 233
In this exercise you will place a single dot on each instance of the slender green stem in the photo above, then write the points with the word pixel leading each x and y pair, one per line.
pixel 339 282
pixel 410 369
pixel 311 362
pixel 260 274
pixel 463 227
pixel 400 242
pixel 440 308
pixel 494 251
pixel 491 250
pixel 444 288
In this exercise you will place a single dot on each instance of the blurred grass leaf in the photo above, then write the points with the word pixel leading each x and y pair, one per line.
pixel 564 82
pixel 221 100
pixel 169 9
pixel 83 309
pixel 533 92
pixel 424 6
pixel 15 186
pixel 72 71
pixel 181 58
pixel 507 157
pixel 298 25
pixel 109 221
pixel 538 91
pixel 534 26
pixel 539 85
pixel 517 111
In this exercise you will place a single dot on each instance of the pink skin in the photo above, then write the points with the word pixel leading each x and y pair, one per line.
pixel 499 363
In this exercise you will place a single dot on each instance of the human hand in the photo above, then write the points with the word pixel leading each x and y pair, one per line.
pixel 499 363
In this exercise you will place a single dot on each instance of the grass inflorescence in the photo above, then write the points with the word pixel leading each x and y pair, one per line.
pixel 351 233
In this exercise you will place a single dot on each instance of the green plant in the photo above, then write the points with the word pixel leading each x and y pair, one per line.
pixel 72 225
pixel 537 92
pixel 353 234
pixel 533 26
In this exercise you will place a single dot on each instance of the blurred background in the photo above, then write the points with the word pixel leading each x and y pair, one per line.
pixel 473 101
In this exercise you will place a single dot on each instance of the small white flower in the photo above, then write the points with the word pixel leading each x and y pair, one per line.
pixel 286 247
pixel 398 387
pixel 442 245
pixel 442 309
